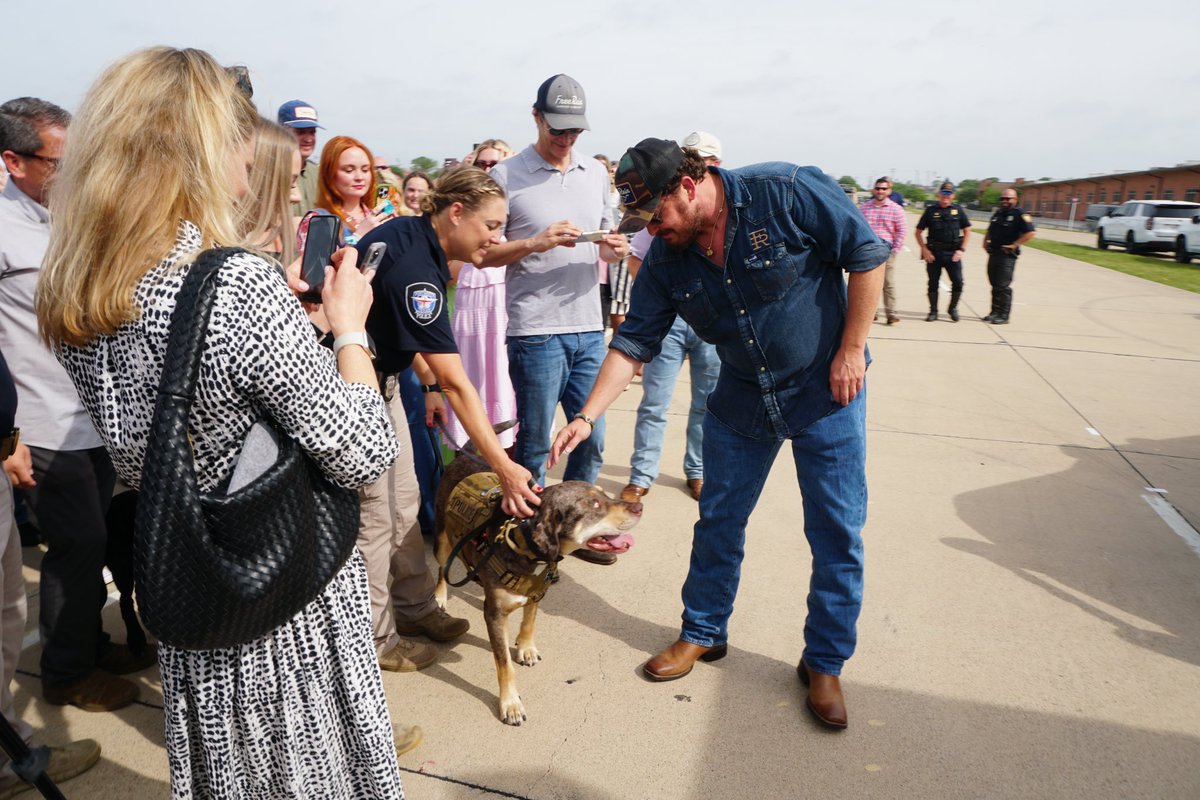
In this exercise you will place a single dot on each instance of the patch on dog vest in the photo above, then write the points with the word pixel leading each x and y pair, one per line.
pixel 473 501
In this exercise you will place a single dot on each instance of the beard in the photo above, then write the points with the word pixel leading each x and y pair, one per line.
pixel 681 238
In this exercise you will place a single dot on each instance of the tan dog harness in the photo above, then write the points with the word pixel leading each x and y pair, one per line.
pixel 471 509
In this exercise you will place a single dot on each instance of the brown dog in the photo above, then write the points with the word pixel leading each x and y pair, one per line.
pixel 516 562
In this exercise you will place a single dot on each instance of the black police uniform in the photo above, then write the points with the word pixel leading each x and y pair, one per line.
pixel 1006 227
pixel 945 226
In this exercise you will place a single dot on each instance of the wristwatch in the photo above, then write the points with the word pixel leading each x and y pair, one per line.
pixel 359 338
pixel 431 388
pixel 591 422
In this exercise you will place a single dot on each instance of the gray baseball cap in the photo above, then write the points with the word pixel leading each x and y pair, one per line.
pixel 562 103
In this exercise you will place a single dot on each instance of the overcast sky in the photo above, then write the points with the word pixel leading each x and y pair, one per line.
pixel 927 89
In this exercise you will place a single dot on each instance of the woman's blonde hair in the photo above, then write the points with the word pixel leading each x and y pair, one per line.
pixel 468 185
pixel 265 213
pixel 152 145
pixel 499 145
pixel 331 154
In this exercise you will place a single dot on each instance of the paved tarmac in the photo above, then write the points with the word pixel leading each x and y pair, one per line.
pixel 1032 618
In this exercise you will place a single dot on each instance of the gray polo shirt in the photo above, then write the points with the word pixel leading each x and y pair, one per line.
pixel 555 291
pixel 50 414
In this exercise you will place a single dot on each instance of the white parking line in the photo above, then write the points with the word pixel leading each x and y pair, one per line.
pixel 1174 520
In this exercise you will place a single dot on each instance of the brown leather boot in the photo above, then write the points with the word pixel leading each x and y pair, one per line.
pixel 99 691
pixel 825 699
pixel 678 660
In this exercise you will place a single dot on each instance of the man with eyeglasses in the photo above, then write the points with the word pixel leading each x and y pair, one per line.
pixel 60 457
pixel 949 229
pixel 887 220
pixel 1009 228
pixel 754 260
pixel 555 325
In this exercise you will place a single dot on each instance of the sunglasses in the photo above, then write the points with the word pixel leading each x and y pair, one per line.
pixel 1008 199
pixel 561 131
pixel 486 164
pixel 882 188
pixel 52 163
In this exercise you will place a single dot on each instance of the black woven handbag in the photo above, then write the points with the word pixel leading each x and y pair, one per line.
pixel 224 568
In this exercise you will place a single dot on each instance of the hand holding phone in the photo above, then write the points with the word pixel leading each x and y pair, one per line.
pixel 591 236
pixel 321 234
pixel 374 255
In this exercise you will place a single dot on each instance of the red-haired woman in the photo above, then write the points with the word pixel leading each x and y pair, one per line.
pixel 346 186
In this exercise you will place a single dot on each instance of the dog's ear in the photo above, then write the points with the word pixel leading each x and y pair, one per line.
pixel 541 531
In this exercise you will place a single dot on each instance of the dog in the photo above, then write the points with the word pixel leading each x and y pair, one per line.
pixel 505 555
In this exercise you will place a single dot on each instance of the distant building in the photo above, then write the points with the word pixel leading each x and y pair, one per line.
pixel 1054 199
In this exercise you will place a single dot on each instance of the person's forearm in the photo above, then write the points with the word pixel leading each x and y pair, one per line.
pixel 355 366
pixel 468 408
pixel 505 253
pixel 1025 238
pixel 966 238
pixel 863 292
pixel 424 373
pixel 615 374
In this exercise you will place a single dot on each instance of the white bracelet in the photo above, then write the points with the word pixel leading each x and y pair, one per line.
pixel 354 337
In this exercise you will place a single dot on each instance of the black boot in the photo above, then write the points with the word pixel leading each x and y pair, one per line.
pixel 953 309
pixel 933 314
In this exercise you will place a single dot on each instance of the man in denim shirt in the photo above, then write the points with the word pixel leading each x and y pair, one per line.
pixel 753 258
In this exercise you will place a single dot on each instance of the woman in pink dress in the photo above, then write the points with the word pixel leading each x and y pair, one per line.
pixel 481 327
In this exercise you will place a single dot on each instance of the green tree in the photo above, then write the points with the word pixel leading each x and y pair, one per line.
pixel 846 180
pixel 911 192
pixel 424 164
pixel 968 191
pixel 990 197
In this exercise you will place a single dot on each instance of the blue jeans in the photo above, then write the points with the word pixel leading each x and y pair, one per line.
pixel 546 370
pixel 830 458
pixel 658 386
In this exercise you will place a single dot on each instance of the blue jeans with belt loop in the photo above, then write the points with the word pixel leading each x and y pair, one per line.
pixel 830 457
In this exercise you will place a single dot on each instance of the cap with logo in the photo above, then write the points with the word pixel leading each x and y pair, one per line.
pixel 643 173
pixel 298 114
pixel 562 103
pixel 704 143
pixel 946 188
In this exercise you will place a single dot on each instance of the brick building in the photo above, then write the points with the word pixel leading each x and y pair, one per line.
pixel 1054 199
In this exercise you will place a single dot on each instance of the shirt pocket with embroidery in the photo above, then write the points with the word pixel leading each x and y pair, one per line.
pixel 772 270
pixel 692 303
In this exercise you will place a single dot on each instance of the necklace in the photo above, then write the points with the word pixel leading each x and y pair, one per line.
pixel 712 235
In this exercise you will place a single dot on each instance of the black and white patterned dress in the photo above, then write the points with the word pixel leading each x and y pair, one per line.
pixel 299 713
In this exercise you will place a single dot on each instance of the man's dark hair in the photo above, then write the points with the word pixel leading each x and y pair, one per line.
pixel 884 179
pixel 693 167
pixel 20 120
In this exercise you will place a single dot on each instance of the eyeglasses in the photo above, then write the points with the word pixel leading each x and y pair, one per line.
pixel 486 164
pixel 1008 199
pixel 882 188
pixel 50 162
pixel 381 168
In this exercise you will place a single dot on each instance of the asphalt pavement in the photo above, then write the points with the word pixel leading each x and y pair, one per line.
pixel 1032 618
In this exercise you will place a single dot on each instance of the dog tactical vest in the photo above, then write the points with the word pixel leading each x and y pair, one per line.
pixel 472 505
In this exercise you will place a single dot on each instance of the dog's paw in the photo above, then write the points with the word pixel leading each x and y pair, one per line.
pixel 512 712
pixel 527 654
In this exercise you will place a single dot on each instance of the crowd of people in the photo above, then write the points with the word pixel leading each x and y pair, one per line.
pixel 741 272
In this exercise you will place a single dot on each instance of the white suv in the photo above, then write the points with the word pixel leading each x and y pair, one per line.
pixel 1144 224
pixel 1187 240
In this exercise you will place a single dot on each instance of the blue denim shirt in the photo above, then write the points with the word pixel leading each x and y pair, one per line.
pixel 777 309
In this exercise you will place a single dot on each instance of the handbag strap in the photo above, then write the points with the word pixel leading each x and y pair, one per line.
pixel 189 324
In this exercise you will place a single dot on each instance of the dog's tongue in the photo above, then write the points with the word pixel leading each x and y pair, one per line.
pixel 617 543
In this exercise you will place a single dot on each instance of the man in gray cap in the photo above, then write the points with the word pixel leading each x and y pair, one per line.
pixel 753 259
pixel 301 117
pixel 555 325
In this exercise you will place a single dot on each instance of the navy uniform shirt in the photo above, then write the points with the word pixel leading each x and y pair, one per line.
pixel 1006 227
pixel 776 310
pixel 944 224
pixel 409 315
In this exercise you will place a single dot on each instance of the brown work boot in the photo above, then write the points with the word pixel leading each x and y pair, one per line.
pixel 406 738
pixel 825 700
pixel 407 656
pixel 632 493
pixel 120 660
pixel 99 691
pixel 65 763
pixel 695 487
pixel 437 625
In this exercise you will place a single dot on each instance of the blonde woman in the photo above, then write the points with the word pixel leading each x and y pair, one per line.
pixel 300 711
pixel 265 220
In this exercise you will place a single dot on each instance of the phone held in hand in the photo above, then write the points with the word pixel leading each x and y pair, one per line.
pixel 373 257
pixel 591 236
pixel 321 234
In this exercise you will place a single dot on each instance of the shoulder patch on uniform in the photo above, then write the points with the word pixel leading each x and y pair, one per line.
pixel 758 239
pixel 424 302
pixel 1027 217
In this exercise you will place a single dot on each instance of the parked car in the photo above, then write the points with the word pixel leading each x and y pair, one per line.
pixel 1187 240
pixel 1141 225
pixel 1095 212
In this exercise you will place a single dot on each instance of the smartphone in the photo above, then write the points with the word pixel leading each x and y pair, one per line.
pixel 385 208
pixel 382 192
pixel 373 257
pixel 321 239
pixel 591 236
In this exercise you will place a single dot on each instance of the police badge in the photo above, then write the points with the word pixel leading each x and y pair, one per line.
pixel 424 302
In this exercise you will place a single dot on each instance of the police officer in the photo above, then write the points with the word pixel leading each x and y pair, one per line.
pixel 1010 228
pixel 949 229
